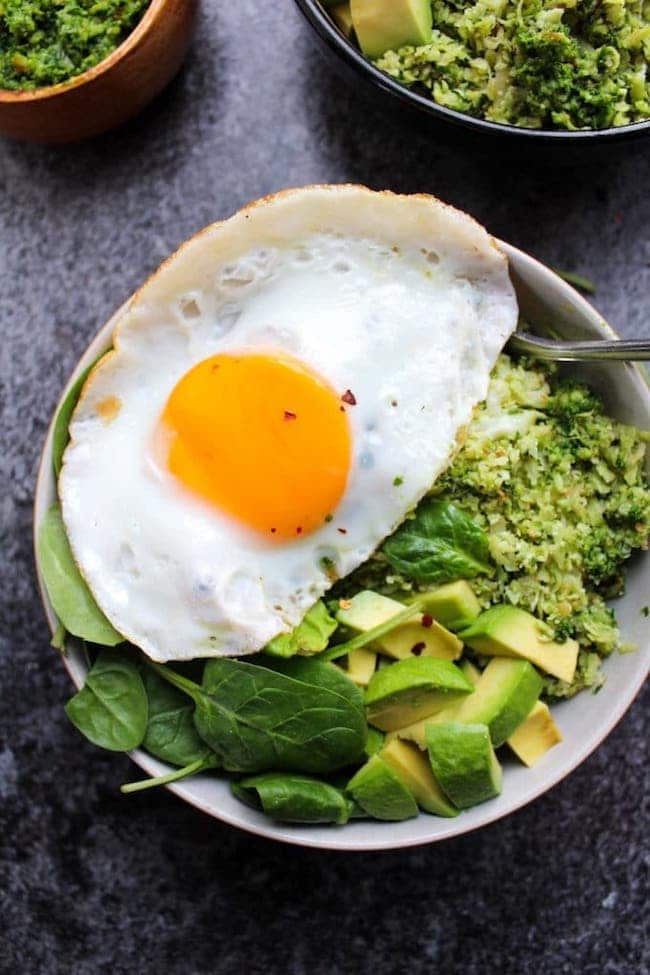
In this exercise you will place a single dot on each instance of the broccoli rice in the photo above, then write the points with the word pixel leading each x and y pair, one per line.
pixel 560 489
pixel 578 64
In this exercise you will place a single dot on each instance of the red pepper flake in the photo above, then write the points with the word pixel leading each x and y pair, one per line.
pixel 298 530
pixel 345 603
pixel 349 398
pixel 288 415
pixel 417 648
pixel 427 620
pixel 343 531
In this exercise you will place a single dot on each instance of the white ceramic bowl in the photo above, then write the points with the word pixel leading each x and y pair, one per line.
pixel 584 721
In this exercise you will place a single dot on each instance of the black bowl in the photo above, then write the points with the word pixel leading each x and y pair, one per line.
pixel 586 145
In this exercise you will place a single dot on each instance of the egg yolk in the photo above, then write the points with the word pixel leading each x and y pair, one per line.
pixel 263 438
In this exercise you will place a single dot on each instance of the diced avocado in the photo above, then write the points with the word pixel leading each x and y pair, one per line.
pixel 535 736
pixel 368 609
pixel 385 25
pixel 507 631
pixel 463 762
pixel 415 638
pixel 503 696
pixel 342 17
pixel 412 689
pixel 374 742
pixel 415 771
pixel 470 671
pixel 380 792
pixel 361 666
pixel 454 605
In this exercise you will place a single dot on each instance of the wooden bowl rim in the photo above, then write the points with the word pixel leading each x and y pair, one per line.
pixel 155 9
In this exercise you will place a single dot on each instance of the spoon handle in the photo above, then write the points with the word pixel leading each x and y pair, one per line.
pixel 626 349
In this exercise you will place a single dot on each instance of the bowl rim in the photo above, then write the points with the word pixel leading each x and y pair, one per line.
pixel 154 9
pixel 329 33
pixel 286 833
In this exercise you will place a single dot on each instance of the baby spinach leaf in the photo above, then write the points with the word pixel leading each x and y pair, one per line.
pixel 58 639
pixel 310 636
pixel 60 435
pixel 70 596
pixel 199 765
pixel 296 715
pixel 294 798
pixel 440 544
pixel 171 735
pixel 111 707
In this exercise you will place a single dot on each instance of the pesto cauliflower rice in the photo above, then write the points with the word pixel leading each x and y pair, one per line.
pixel 560 489
pixel 574 64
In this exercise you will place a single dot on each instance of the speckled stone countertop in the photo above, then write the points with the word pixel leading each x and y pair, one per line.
pixel 91 882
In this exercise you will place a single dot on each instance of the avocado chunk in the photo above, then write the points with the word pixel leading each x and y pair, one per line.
pixel 380 792
pixel 412 689
pixel 503 696
pixel 361 666
pixel 421 636
pixel 415 771
pixel 342 17
pixel 385 25
pixel 507 631
pixel 454 604
pixel 535 736
pixel 470 671
pixel 464 763
pixel 374 742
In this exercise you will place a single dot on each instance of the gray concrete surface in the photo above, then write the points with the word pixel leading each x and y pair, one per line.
pixel 91 882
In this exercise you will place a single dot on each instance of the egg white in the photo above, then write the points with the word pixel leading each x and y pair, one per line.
pixel 401 300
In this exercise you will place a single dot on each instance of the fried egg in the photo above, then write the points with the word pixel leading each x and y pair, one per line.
pixel 279 395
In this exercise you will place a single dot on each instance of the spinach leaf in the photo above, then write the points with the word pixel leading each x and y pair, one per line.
pixel 440 544
pixel 310 636
pixel 171 735
pixel 111 707
pixel 60 435
pixel 296 715
pixel 71 598
pixel 58 639
pixel 294 798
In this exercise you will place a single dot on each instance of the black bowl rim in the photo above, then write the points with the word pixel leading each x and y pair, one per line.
pixel 322 23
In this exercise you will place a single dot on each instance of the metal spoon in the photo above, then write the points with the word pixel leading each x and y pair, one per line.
pixel 628 349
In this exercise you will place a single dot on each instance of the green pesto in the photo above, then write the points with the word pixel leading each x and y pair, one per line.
pixel 581 64
pixel 560 489
pixel 45 42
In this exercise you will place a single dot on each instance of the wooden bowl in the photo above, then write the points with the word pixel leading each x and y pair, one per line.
pixel 114 90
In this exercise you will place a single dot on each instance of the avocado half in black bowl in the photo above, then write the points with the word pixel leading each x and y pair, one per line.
pixel 557 146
